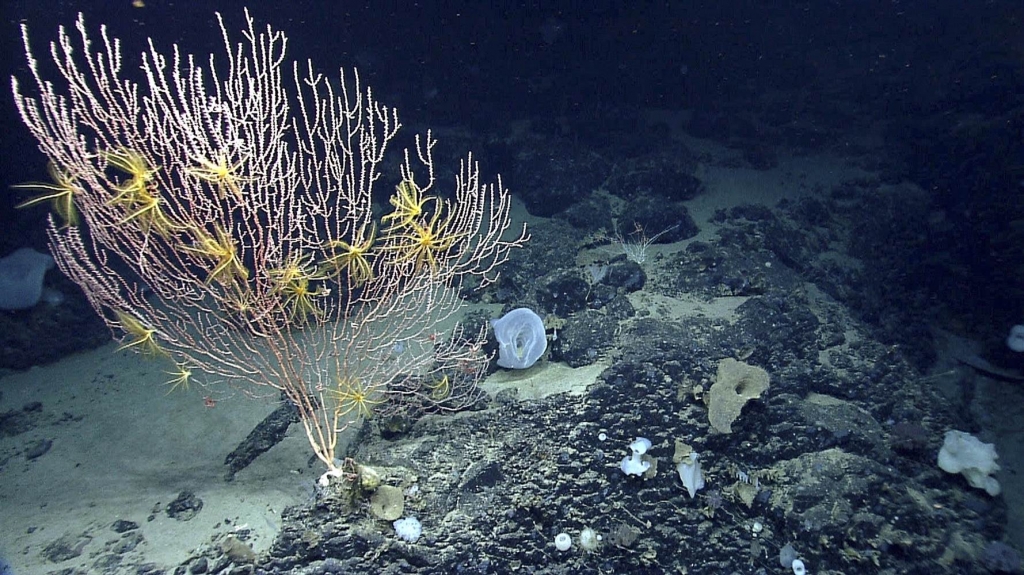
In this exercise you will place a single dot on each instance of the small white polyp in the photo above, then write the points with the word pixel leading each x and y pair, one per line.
pixel 325 479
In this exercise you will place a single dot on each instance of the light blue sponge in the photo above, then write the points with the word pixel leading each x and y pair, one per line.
pixel 21 279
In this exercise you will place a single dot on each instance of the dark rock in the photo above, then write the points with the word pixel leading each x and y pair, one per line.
pixel 592 214
pixel 123 525
pixel 15 422
pixel 65 548
pixel 562 292
pixel 184 507
pixel 908 437
pixel 667 176
pixel 108 563
pixel 46 333
pixel 552 175
pixel 199 565
pixel 149 569
pixel 620 308
pixel 626 275
pixel 38 448
pixel 851 428
pixel 481 474
pixel 265 435
pixel 601 295
pixel 998 557
pixel 583 338
pixel 656 221
pixel 127 543
pixel 546 251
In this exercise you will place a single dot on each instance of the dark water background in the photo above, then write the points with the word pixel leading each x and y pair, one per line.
pixel 939 83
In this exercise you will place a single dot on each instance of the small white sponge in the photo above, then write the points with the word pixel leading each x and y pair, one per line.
pixel 408 528
pixel 634 464
pixel 690 474
pixel 965 454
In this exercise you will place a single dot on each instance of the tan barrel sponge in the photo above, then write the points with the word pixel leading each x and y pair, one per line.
pixel 736 384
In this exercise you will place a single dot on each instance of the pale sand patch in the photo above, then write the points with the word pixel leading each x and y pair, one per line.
pixel 676 308
pixel 544 379
pixel 128 451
